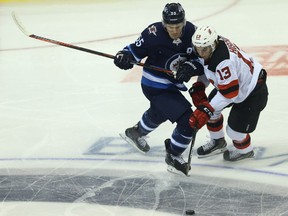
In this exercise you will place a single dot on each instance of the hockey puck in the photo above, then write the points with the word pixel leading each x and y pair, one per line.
pixel 190 212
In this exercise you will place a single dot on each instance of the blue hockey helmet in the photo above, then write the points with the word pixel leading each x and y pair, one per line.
pixel 173 13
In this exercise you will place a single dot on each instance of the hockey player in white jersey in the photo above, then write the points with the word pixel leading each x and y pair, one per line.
pixel 240 83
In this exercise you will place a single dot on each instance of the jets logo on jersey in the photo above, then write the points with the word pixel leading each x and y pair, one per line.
pixel 177 41
pixel 152 30
pixel 174 62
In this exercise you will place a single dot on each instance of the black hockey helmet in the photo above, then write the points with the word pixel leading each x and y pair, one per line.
pixel 173 13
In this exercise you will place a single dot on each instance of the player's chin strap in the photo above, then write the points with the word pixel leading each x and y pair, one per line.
pixel 21 27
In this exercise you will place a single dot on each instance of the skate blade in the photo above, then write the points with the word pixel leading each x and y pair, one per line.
pixel 172 169
pixel 217 152
pixel 128 140
pixel 245 158
pixel 242 158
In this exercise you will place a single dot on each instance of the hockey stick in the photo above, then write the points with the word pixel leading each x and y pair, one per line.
pixel 190 151
pixel 21 27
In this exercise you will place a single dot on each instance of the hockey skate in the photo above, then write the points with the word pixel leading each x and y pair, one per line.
pixel 136 139
pixel 176 164
pixel 234 155
pixel 213 147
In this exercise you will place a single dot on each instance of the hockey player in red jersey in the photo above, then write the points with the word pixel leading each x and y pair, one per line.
pixel 240 83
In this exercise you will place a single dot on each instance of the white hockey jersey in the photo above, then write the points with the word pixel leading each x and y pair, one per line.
pixel 233 72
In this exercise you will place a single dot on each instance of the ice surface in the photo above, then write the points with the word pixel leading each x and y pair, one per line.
pixel 61 111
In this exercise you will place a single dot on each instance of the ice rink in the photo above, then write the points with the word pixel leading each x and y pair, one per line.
pixel 61 112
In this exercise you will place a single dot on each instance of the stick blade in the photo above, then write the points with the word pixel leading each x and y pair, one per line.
pixel 19 24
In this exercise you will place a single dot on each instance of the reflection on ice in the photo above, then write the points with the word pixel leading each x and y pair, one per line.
pixel 136 193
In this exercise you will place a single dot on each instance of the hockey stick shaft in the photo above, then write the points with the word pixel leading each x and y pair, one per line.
pixel 71 46
pixel 21 27
pixel 191 148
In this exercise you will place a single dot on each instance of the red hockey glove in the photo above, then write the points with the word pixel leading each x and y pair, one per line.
pixel 201 115
pixel 197 92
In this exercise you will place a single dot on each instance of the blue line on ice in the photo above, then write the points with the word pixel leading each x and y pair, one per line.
pixel 147 161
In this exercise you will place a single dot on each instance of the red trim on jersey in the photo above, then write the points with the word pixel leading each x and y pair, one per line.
pixel 211 81
pixel 230 90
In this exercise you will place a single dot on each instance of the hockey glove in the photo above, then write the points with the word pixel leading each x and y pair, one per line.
pixel 189 69
pixel 201 115
pixel 123 59
pixel 197 92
